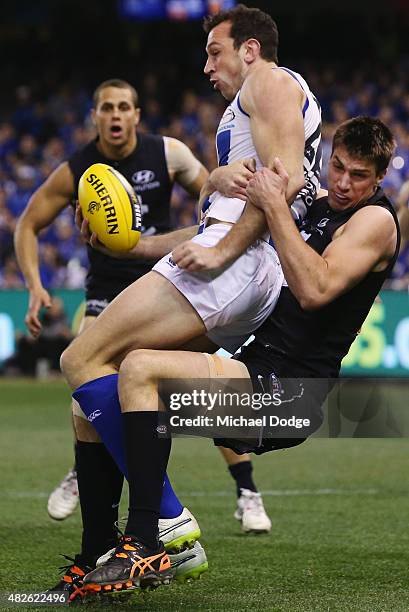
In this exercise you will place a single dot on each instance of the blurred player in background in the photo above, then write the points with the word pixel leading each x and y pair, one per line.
pixel 271 111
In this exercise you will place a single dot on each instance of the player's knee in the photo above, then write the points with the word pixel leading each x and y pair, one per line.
pixel 138 367
pixel 70 362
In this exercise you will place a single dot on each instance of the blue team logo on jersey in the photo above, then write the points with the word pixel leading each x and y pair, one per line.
pixel 228 117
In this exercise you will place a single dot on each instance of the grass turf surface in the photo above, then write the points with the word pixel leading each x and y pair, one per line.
pixel 340 513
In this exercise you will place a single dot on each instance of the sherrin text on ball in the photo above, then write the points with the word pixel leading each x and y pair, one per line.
pixel 111 206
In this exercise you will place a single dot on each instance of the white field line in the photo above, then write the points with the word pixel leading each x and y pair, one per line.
pixel 265 493
pixel 287 492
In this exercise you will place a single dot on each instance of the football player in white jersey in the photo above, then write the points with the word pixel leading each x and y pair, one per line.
pixel 263 117
pixel 171 307
pixel 280 119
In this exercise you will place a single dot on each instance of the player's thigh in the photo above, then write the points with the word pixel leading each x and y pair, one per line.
pixel 211 374
pixel 187 364
pixel 150 313
pixel 183 366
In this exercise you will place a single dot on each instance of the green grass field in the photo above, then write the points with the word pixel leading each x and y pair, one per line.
pixel 340 511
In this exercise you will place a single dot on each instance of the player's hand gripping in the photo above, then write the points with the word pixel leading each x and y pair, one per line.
pixel 232 180
pixel 39 298
pixel 267 188
pixel 90 237
pixel 196 258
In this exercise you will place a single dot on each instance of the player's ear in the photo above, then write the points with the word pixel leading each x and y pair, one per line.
pixel 380 177
pixel 93 116
pixel 252 50
pixel 137 115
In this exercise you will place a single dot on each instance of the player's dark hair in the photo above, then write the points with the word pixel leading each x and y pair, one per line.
pixel 119 84
pixel 366 138
pixel 248 23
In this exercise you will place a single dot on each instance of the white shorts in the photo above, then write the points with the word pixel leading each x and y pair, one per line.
pixel 234 302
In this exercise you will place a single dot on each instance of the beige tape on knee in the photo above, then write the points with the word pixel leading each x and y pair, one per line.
pixel 220 367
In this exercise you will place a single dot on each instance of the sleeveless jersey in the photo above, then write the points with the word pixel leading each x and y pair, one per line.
pixel 146 170
pixel 234 141
pixel 295 343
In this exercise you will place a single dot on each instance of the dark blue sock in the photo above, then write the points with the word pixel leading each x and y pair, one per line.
pixel 100 403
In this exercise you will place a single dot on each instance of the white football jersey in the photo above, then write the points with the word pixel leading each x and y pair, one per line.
pixel 234 141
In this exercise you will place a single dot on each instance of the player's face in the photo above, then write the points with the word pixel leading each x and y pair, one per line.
pixel 224 66
pixel 351 181
pixel 115 116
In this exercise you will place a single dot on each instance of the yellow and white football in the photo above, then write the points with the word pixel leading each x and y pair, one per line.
pixel 111 206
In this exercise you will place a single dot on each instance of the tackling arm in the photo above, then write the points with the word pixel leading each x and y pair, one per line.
pixel 155 247
pixel 148 247
pixel 368 239
pixel 231 180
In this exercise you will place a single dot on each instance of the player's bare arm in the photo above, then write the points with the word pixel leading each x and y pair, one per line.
pixel 148 247
pixel 367 242
pixel 183 167
pixel 402 202
pixel 43 207
pixel 273 100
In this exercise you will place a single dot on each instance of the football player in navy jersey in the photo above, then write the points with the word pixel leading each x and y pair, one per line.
pixel 334 270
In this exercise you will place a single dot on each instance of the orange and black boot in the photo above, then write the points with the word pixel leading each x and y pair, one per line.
pixel 130 566
pixel 71 581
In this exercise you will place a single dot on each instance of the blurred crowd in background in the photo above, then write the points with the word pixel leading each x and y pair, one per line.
pixel 41 131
